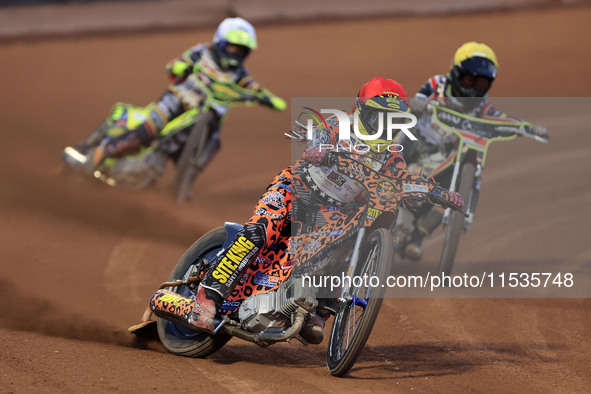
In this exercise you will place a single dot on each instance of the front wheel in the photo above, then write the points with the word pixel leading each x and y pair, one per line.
pixel 180 340
pixel 189 165
pixel 355 316
pixel 456 221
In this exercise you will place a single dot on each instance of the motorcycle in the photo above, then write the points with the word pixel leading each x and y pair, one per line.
pixel 465 163
pixel 190 140
pixel 274 300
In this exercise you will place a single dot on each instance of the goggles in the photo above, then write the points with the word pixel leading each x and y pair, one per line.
pixel 478 83
pixel 379 107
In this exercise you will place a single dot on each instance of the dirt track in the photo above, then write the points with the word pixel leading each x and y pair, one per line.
pixel 79 261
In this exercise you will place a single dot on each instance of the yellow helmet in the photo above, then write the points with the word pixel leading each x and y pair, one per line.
pixel 473 69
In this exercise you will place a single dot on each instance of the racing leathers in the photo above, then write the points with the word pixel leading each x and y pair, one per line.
pixel 273 215
pixel 271 222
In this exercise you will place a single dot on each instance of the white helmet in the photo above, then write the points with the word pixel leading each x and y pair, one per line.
pixel 241 37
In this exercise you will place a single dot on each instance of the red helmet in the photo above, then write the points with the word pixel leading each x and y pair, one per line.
pixel 379 86
pixel 375 97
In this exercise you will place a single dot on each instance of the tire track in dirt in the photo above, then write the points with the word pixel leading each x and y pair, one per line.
pixel 121 276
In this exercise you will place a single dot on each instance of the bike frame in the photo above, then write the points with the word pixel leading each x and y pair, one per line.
pixel 474 134
pixel 216 92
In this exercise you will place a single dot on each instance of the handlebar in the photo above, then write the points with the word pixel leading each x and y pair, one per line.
pixel 447 204
pixel 436 198
pixel 519 127
pixel 412 186
pixel 533 137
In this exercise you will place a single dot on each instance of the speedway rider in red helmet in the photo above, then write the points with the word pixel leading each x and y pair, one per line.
pixel 274 212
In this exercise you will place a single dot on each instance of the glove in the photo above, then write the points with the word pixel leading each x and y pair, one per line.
pixel 315 156
pixel 540 131
pixel 419 104
pixel 178 71
pixel 456 199
pixel 440 196
pixel 179 68
pixel 277 103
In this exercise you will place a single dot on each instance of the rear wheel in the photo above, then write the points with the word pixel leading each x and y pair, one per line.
pixel 355 317
pixel 456 220
pixel 180 340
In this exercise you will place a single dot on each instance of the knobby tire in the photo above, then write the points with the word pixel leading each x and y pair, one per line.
pixel 456 221
pixel 179 340
pixel 349 335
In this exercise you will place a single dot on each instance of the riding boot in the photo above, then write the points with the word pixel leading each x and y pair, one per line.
pixel 424 226
pixel 114 147
pixel 202 316
pixel 99 134
pixel 195 313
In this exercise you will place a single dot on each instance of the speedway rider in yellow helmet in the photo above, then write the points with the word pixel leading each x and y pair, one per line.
pixel 232 43
pixel 474 68
pixel 465 88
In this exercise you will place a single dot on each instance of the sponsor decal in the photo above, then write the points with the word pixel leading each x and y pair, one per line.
pixel 386 190
pixel 174 300
pixel 467 125
pixel 333 233
pixel 264 212
pixel 446 117
pixel 507 129
pixel 336 178
pixel 312 246
pixel 274 199
pixel 234 258
pixel 265 262
pixel 294 245
pixel 410 187
pixel 373 213
pixel 265 280
pixel 230 306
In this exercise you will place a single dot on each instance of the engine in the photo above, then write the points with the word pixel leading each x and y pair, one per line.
pixel 275 308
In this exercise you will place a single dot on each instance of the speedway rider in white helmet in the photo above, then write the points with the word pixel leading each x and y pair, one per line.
pixel 223 59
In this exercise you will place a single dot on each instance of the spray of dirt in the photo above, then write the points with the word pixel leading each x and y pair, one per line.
pixel 24 313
